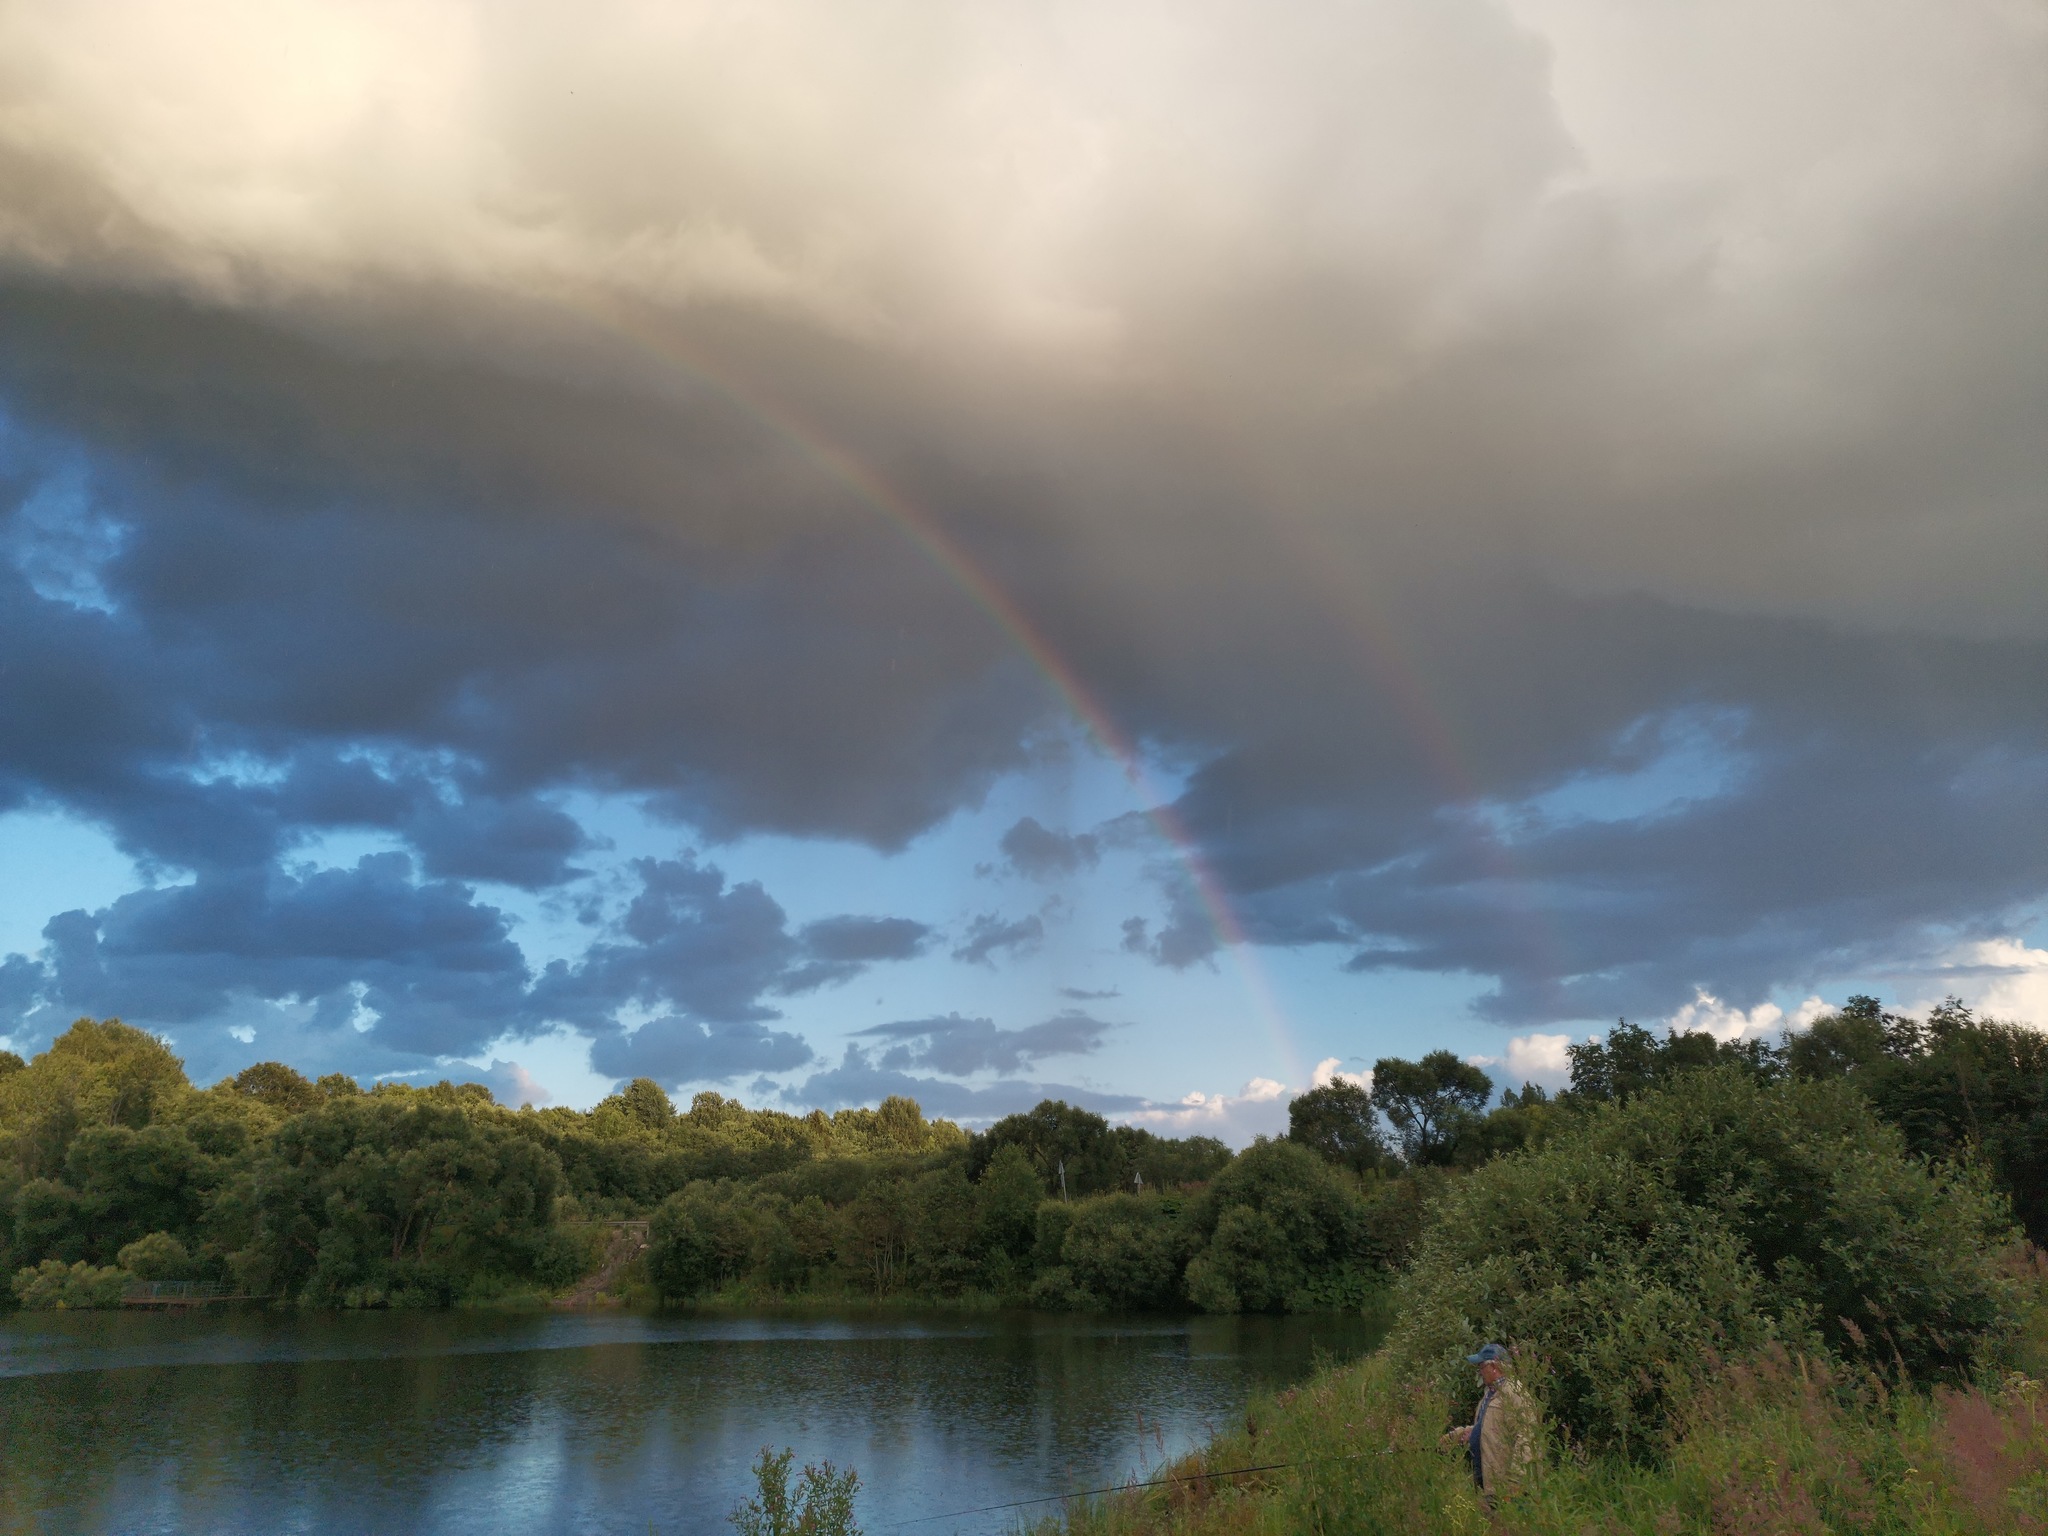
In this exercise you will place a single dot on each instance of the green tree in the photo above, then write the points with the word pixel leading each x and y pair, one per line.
pixel 1337 1122
pixel 277 1086
pixel 1126 1250
pixel 394 1197
pixel 1429 1101
pixel 1706 1219
pixel 1279 1230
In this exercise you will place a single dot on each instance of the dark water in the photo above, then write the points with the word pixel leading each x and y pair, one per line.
pixel 600 1422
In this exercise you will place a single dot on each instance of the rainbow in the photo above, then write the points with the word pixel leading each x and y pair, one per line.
pixel 958 567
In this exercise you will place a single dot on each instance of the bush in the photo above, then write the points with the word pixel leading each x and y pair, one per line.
pixel 820 1505
pixel 1277 1222
pixel 54 1285
pixel 159 1256
pixel 1126 1249
pixel 1703 1221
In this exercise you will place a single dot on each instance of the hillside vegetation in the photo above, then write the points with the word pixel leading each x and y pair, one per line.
pixel 115 1168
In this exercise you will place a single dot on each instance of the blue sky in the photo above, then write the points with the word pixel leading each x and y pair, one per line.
pixel 468 601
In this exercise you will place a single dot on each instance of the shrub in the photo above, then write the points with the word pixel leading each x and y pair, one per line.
pixel 820 1505
pixel 1703 1221
pixel 158 1256
pixel 1276 1221
pixel 1126 1249
pixel 53 1284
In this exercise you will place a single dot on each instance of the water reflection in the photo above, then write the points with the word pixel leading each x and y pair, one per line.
pixel 452 1423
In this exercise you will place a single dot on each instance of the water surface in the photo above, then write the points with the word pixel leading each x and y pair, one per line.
pixel 601 1422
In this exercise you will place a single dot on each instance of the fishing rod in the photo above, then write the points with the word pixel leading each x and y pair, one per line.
pixel 1156 1482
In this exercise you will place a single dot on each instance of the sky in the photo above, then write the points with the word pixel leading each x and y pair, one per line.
pixel 1150 554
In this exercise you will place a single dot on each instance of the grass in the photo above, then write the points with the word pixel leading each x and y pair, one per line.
pixel 1774 1446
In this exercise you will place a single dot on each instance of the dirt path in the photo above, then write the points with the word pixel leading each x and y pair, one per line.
pixel 629 1241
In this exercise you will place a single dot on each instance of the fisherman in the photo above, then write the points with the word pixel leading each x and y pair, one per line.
pixel 1500 1438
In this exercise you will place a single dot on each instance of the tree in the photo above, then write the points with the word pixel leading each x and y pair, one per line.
pixel 1337 1123
pixel 647 1106
pixel 1428 1101
pixel 1127 1250
pixel 393 1196
pixel 1058 1138
pixel 280 1087
pixel 1711 1217
pixel 1276 1226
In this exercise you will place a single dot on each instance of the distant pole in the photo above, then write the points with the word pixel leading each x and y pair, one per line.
pixel 1063 1179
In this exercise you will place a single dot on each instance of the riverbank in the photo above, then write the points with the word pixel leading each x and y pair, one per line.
pixel 1779 1444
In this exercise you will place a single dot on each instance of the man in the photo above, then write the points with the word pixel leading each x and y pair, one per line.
pixel 1500 1439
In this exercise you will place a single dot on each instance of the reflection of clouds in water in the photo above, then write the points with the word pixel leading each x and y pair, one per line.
pixel 453 1425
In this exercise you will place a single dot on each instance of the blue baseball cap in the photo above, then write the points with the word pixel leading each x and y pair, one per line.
pixel 1487 1352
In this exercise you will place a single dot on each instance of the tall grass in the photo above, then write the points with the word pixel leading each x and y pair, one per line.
pixel 1772 1445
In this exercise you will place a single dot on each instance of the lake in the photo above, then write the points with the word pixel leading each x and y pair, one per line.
pixel 603 1421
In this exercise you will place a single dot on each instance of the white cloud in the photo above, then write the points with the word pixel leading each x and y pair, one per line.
pixel 1326 1073
pixel 1539 1059
pixel 512 1084
pixel 1707 1013
pixel 1258 1109
pixel 1999 978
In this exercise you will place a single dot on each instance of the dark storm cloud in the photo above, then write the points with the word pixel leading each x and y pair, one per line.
pixel 858 1079
pixel 1381 480
pixel 1039 853
pixel 439 969
pixel 836 949
pixel 1874 791
pixel 683 1051
pixel 321 551
pixel 990 934
pixel 960 1047
pixel 421 968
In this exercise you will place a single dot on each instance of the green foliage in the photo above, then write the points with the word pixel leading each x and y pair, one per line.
pixel 820 1505
pixel 1632 1061
pixel 1771 1446
pixel 1703 1221
pixel 1274 1223
pixel 158 1256
pixel 277 1086
pixel 1965 1089
pixel 1337 1122
pixel 1126 1250
pixel 395 1199
pixel 54 1285
pixel 1094 1156
pixel 1429 1102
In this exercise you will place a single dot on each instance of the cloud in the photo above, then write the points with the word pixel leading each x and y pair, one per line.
pixel 1539 1058
pixel 1329 1070
pixel 680 1050
pixel 1259 1108
pixel 375 967
pixel 837 949
pixel 989 935
pixel 511 1084
pixel 1497 399
pixel 1709 1015
pixel 1038 853
pixel 2001 978
pixel 858 1079
pixel 961 1047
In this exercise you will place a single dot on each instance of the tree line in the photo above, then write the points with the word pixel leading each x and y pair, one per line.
pixel 114 1168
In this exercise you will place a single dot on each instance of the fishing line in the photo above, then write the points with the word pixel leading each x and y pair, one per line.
pixel 1156 1482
